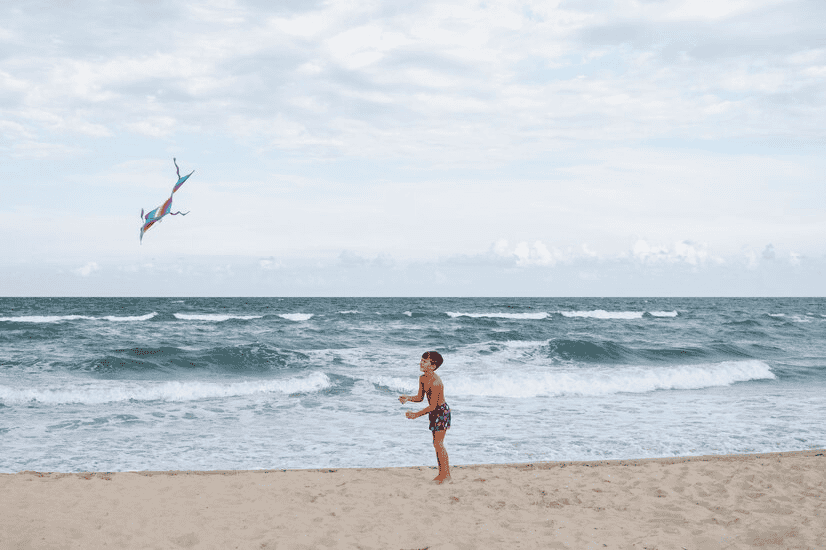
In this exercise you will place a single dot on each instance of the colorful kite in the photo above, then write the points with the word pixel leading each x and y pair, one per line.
pixel 155 215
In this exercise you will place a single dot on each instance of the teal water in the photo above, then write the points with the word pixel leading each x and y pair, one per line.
pixel 116 384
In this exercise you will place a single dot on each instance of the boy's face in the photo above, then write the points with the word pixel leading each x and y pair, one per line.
pixel 425 365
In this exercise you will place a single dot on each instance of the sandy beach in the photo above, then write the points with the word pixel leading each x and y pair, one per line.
pixel 710 502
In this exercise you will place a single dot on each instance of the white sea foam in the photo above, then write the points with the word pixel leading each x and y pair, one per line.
pixel 350 311
pixel 519 344
pixel 602 314
pixel 110 391
pixel 59 318
pixel 600 382
pixel 408 313
pixel 296 316
pixel 46 318
pixel 792 318
pixel 593 382
pixel 212 316
pixel 395 384
pixel 663 313
pixel 136 318
pixel 537 315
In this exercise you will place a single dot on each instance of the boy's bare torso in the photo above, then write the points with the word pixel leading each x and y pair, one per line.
pixel 430 384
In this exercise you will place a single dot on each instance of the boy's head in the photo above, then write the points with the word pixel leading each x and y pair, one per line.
pixel 434 357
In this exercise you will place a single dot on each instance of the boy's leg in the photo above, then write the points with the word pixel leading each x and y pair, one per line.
pixel 441 455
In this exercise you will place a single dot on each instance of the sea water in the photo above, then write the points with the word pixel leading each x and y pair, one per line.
pixel 118 384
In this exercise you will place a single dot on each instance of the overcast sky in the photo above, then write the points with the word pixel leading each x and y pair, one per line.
pixel 361 148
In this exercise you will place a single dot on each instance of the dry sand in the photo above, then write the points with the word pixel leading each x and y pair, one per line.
pixel 693 503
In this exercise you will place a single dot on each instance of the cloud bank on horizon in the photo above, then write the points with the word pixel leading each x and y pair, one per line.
pixel 589 147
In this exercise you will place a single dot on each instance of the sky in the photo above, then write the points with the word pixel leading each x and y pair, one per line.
pixel 424 148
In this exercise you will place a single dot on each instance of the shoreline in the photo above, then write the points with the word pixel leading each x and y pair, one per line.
pixel 520 465
pixel 766 500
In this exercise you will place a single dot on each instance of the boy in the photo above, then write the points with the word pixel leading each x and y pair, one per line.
pixel 437 409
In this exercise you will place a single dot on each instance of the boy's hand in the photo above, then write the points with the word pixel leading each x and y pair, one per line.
pixel 410 414
pixel 403 399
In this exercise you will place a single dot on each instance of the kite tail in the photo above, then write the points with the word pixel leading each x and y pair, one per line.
pixel 141 213
pixel 178 212
pixel 178 170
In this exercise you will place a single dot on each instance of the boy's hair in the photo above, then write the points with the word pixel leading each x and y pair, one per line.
pixel 435 357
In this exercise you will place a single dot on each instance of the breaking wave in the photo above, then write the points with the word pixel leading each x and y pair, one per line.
pixel 537 315
pixel 108 392
pixel 213 316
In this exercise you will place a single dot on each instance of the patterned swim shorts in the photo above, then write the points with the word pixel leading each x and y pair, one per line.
pixel 439 418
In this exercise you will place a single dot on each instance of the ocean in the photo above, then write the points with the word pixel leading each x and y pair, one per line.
pixel 123 384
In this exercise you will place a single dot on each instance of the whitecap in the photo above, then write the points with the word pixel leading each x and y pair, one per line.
pixel 46 318
pixel 537 315
pixel 212 316
pixel 134 318
pixel 602 314
pixel 296 316
pixel 518 344
pixel 108 392
pixel 600 382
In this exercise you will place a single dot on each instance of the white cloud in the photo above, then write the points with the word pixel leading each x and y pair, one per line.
pixel 304 25
pixel 87 269
pixel 159 126
pixel 689 252
pixel 269 264
pixel 794 258
pixel 587 252
pixel 503 80
pixel 682 252
pixel 644 252
pixel 713 9
pixel 538 254
pixel 361 46
pixel 500 247
pixel 46 150
pixel 752 259
pixel 524 255
pixel 221 12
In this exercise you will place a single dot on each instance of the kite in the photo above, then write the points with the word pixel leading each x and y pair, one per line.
pixel 155 215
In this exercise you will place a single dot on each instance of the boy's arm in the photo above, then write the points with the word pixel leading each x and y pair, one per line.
pixel 438 390
pixel 419 397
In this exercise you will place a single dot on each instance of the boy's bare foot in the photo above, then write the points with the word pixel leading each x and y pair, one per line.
pixel 439 480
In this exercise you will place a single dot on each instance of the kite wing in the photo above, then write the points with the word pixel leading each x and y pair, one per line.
pixel 181 180
pixel 158 213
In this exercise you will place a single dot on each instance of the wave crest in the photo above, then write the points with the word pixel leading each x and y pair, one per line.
pixel 537 315
pixel 60 318
pixel 133 318
pixel 296 316
pixel 613 380
pixel 213 317
pixel 108 392
pixel 602 314
pixel 46 318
